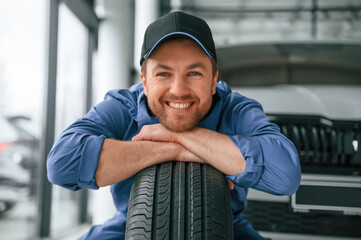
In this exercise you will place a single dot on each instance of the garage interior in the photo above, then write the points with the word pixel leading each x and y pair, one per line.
pixel 300 58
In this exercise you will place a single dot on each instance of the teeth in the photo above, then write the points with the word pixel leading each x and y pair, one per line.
pixel 179 105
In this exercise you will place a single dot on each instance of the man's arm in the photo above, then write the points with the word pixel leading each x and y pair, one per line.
pixel 218 149
pixel 215 148
pixel 86 154
pixel 121 159
pixel 262 159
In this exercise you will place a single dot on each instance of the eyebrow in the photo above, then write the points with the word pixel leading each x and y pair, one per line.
pixel 196 65
pixel 162 66
pixel 190 67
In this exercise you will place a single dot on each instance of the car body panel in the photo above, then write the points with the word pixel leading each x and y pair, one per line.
pixel 331 101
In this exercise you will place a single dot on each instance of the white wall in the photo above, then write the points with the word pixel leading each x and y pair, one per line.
pixel 146 11
pixel 113 63
pixel 113 58
pixel 111 70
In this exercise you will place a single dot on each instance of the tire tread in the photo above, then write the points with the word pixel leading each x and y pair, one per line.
pixel 179 201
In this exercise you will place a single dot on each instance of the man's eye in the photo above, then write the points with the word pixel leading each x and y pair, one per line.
pixel 195 74
pixel 163 74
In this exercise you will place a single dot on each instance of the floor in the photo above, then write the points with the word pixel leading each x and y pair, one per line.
pixel 19 223
pixel 273 236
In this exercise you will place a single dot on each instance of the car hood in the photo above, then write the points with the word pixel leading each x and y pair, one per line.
pixel 331 101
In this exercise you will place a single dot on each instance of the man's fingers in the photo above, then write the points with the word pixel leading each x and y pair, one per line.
pixel 135 138
pixel 184 155
pixel 155 132
pixel 230 185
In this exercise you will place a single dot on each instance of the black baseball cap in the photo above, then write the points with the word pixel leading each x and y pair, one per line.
pixel 177 24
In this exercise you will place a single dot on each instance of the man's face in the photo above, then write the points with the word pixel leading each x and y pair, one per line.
pixel 179 84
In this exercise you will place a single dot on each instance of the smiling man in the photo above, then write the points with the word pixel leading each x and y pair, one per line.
pixel 178 113
pixel 179 90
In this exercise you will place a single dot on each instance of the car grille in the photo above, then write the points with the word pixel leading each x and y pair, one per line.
pixel 279 217
pixel 324 145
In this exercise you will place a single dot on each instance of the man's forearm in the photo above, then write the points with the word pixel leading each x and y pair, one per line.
pixel 119 159
pixel 216 148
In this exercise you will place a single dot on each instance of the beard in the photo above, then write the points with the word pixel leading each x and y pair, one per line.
pixel 180 123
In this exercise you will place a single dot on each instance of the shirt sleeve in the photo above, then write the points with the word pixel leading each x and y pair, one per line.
pixel 272 163
pixel 73 159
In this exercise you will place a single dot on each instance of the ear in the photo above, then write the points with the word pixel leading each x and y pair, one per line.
pixel 214 83
pixel 144 82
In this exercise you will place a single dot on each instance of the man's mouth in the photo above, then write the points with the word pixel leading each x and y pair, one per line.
pixel 179 105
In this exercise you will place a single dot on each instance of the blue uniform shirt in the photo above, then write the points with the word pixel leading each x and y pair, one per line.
pixel 272 163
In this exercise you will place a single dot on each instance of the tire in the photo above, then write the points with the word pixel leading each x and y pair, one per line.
pixel 178 200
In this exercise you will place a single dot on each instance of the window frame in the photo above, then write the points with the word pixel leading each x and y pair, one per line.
pixel 84 11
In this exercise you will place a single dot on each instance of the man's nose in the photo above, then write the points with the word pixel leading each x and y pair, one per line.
pixel 179 86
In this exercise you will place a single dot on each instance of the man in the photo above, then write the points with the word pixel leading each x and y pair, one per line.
pixel 178 113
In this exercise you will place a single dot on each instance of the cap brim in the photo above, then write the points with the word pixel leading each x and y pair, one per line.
pixel 174 34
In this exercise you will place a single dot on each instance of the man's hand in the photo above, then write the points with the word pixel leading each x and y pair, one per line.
pixel 156 133
pixel 230 185
pixel 212 147
pixel 184 155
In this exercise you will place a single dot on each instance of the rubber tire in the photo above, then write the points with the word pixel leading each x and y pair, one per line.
pixel 177 201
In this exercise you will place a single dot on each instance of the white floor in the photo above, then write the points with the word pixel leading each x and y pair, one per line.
pixel 73 235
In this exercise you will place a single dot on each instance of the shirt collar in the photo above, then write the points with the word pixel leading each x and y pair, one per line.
pixel 212 118
pixel 142 117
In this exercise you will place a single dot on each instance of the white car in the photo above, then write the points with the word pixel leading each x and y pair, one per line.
pixel 312 90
